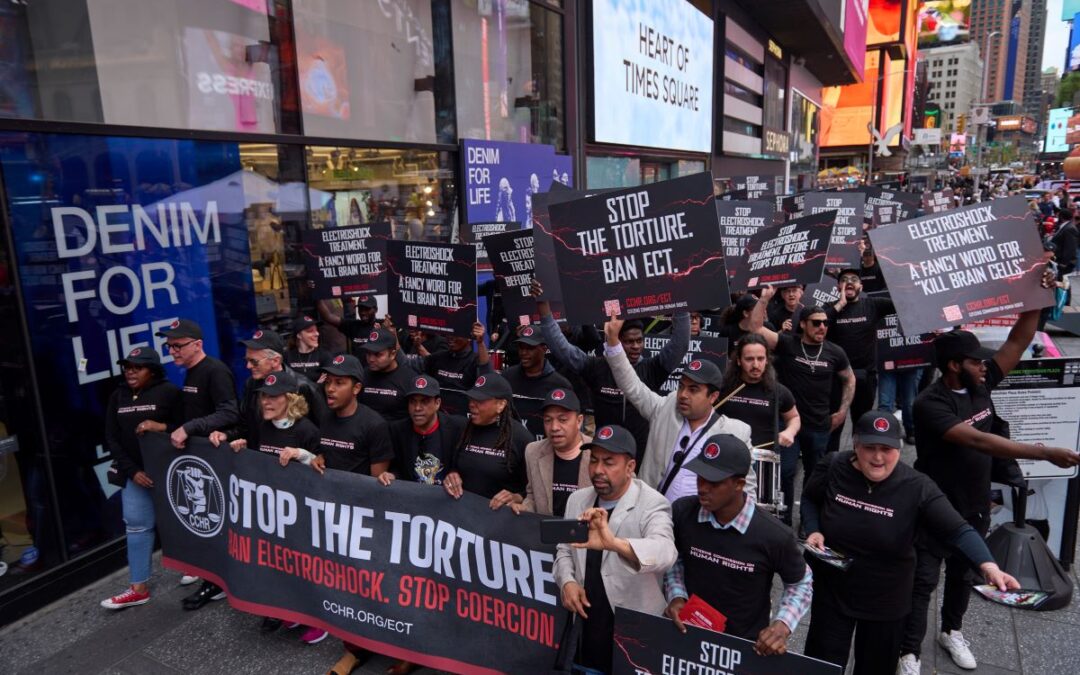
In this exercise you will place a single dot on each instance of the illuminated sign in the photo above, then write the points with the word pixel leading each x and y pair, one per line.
pixel 775 50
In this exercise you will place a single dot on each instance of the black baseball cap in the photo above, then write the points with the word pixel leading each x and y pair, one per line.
pixel 281 382
pixel 182 328
pixel 848 270
pixel 613 438
pixel 303 322
pixel 344 365
pixel 960 344
pixel 490 386
pixel 368 301
pixel 529 335
pixel 704 372
pixel 379 340
pixel 746 302
pixel 265 339
pixel 879 428
pixel 722 457
pixel 564 398
pixel 142 356
pixel 422 385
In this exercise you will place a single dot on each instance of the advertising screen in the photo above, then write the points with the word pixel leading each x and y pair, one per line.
pixel 1074 45
pixel 846 111
pixel 855 33
pixel 886 17
pixel 1069 9
pixel 944 22
pixel 1056 127
pixel 652 74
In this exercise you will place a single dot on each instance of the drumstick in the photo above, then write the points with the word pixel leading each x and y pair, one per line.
pixel 727 398
pixel 763 445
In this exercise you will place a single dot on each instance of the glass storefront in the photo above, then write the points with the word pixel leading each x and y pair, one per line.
pixel 632 170
pixel 804 142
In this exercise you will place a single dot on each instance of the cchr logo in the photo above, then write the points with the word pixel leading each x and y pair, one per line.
pixel 196 495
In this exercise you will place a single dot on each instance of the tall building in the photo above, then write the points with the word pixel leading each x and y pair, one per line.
pixel 1011 33
pixel 955 73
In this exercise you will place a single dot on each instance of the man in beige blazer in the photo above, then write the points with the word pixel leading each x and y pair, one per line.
pixel 631 545
pixel 556 466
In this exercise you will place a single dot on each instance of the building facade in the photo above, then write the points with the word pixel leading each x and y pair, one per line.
pixel 955 74
pixel 1011 34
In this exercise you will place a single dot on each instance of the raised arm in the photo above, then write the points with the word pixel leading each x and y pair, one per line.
pixel 560 347
pixel 640 396
pixel 673 352
pixel 757 318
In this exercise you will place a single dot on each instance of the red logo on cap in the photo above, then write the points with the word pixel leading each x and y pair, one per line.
pixel 339 359
pixel 421 382
pixel 271 379
pixel 558 395
pixel 695 365
pixel 711 451
pixel 481 381
pixel 374 335
pixel 363 298
pixel 258 335
pixel 135 352
pixel 175 323
pixel 605 433
pixel 881 424
pixel 527 331
pixel 308 318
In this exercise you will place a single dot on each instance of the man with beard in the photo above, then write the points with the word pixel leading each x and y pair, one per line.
pixel 556 466
pixel 532 378
pixel 957 434
pixel 423 442
pixel 630 547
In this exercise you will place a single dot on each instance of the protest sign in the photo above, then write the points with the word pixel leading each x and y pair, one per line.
pixel 740 220
pixel 546 267
pixel 1040 399
pixel 703 347
pixel 848 228
pixel 502 177
pixel 512 263
pixel 938 201
pixel 432 286
pixel 823 292
pixel 755 186
pixel 640 251
pixel 895 351
pixel 735 196
pixel 651 644
pixel 789 207
pixel 402 570
pixel 788 254
pixel 969 263
pixel 346 261
pixel 475 233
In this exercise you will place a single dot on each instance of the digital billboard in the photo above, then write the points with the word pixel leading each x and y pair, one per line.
pixel 1069 8
pixel 885 19
pixel 944 22
pixel 1056 126
pixel 855 33
pixel 845 111
pixel 1074 44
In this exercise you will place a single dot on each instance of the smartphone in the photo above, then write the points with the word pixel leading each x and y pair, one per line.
pixel 563 531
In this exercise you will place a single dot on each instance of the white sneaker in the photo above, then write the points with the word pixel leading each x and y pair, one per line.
pixel 959 649
pixel 909 665
pixel 187 580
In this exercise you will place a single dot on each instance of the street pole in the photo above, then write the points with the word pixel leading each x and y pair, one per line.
pixel 983 100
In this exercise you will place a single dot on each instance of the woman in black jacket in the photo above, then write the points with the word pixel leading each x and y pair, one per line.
pixel 145 402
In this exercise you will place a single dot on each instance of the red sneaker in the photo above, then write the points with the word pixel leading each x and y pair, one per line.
pixel 313 636
pixel 128 598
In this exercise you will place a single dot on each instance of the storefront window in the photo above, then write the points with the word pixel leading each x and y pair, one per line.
pixel 620 172
pixel 508 64
pixel 188 64
pixel 804 141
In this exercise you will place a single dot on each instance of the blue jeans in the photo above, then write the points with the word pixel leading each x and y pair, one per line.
pixel 811 445
pixel 899 386
pixel 139 517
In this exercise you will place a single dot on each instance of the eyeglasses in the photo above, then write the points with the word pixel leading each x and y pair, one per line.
pixel 179 346
pixel 818 323
pixel 255 362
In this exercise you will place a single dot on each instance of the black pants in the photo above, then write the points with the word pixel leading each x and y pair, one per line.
pixel 877 643
pixel 863 402
pixel 955 595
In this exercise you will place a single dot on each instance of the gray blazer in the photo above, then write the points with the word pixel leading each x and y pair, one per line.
pixel 539 465
pixel 643 517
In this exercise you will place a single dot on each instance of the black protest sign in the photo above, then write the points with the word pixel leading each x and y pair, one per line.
pixel 512 263
pixel 640 251
pixel 740 220
pixel 848 229
pixel 885 207
pixel 432 286
pixel 789 207
pixel 346 261
pixel 474 233
pixel 896 351
pixel 909 202
pixel 735 196
pixel 788 254
pixel 547 269
pixel 531 411
pixel 823 292
pixel 702 347
pixel 937 201
pixel 966 264
pixel 402 570
pixel 651 644
pixel 755 186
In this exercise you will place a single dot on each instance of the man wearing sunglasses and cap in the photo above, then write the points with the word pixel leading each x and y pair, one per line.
pixel 630 546
pixel 729 551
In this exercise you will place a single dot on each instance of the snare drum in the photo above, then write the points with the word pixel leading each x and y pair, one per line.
pixel 766 464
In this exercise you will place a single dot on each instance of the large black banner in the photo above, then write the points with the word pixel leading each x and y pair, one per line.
pixel 740 220
pixel 848 229
pixel 404 570
pixel 475 233
pixel 640 251
pixel 432 286
pixel 513 263
pixel 896 351
pixel 969 263
pixel 704 347
pixel 788 254
pixel 346 261
pixel 651 644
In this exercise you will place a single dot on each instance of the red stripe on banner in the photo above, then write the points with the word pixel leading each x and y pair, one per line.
pixel 437 662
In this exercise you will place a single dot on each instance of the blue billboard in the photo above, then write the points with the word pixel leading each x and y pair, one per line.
pixel 501 178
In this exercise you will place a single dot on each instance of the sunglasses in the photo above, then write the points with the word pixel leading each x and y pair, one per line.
pixel 818 323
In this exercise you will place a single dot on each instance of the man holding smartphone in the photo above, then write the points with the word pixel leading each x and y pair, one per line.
pixel 630 546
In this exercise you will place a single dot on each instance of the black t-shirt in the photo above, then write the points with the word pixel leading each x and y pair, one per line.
pixel 355 442
pixel 875 524
pixel 564 482
pixel 487 469
pixel 779 313
pixel 873 281
pixel 357 333
pixel 160 401
pixel 432 460
pixel 963 473
pixel 306 364
pixel 206 386
pixel 609 404
pixel 854 329
pixel 302 434
pixel 455 370
pixel 529 395
pixel 385 392
pixel 733 572
pixel 755 406
pixel 598 632
pixel 809 375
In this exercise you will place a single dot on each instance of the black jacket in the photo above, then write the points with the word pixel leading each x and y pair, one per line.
pixel 251 415
pixel 451 427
